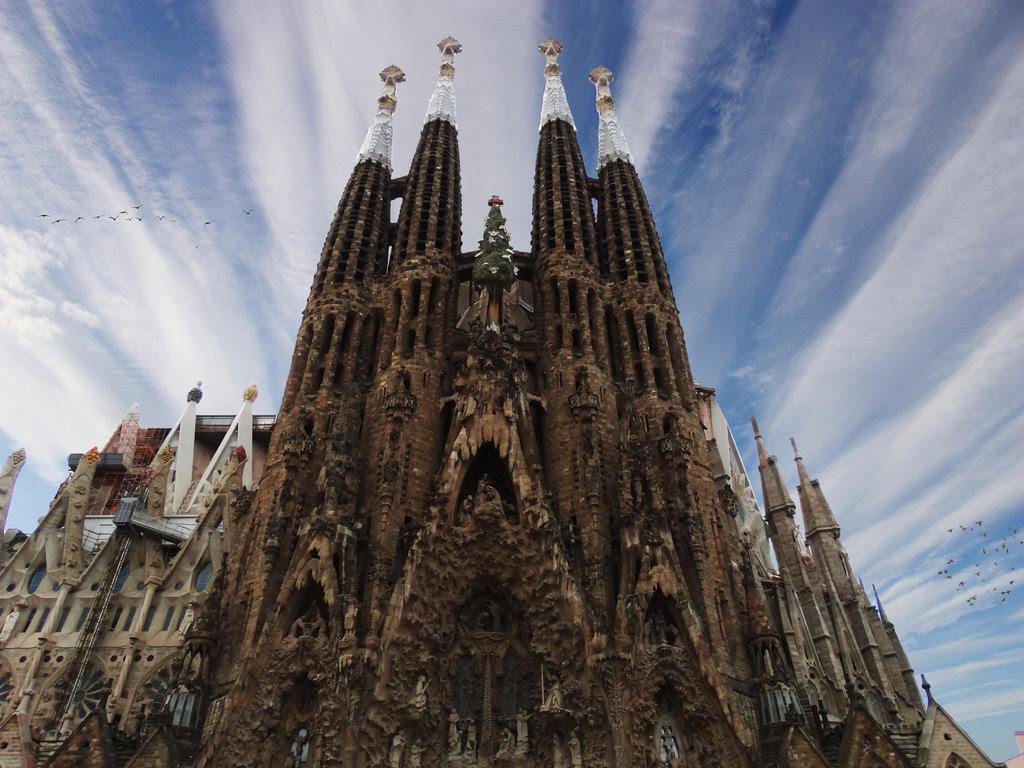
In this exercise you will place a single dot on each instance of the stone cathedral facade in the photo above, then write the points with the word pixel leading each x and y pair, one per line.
pixel 496 522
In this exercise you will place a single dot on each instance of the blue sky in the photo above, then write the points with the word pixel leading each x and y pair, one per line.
pixel 837 187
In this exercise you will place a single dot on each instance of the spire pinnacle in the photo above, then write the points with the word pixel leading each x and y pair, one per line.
pixel 611 142
pixel 878 602
pixel 555 104
pixel 805 479
pixel 776 496
pixel 816 510
pixel 442 101
pixel 377 144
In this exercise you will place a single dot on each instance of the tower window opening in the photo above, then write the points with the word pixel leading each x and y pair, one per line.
pixel 577 343
pixel 634 346
pixel 410 342
pixel 574 298
pixel 592 321
pixel 614 342
pixel 414 299
pixel 556 297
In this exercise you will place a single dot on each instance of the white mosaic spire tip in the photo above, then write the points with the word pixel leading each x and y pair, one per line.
pixel 555 105
pixel 442 101
pixel 611 142
pixel 377 144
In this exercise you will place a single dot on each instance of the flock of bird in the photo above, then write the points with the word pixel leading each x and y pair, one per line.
pixel 127 213
pixel 986 552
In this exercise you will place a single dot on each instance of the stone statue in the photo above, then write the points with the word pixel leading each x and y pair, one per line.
pixel 557 755
pixel 397 747
pixel 187 619
pixel 575 751
pixel 415 755
pixel 471 738
pixel 350 619
pixel 668 745
pixel 419 698
pixel 8 627
pixel 507 745
pixel 454 737
pixel 298 755
pixel 522 733
pixel 553 700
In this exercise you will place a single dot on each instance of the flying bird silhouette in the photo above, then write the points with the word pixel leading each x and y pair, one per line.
pixel 207 223
pixel 43 216
pixel 247 211
pixel 57 221
pixel 136 207
pixel 80 218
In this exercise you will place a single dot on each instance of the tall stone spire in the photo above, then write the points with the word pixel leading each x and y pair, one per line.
pixel 555 105
pixel 8 476
pixel 776 495
pixel 816 510
pixel 611 142
pixel 377 144
pixel 442 101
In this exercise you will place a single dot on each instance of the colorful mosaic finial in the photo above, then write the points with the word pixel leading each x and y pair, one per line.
pixel 442 101
pixel 555 104
pixel 611 142
pixel 377 144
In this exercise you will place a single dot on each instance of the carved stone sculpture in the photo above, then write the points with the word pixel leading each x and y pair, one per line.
pixel 397 748
pixel 298 754
pixel 8 626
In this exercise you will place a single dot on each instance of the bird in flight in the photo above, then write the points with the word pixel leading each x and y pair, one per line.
pixel 207 223
pixel 43 216
pixel 57 221
pixel 80 218
pixel 98 217
pixel 162 217
pixel 136 207
pixel 950 561
pixel 247 211
pixel 979 522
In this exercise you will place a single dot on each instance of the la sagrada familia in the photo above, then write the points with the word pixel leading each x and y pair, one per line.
pixel 495 522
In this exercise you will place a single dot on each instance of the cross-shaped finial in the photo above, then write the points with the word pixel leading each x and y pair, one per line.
pixel 449 46
pixel 550 47
pixel 495 201
pixel 392 75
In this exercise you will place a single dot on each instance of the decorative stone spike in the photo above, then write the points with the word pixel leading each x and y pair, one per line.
pixel 442 101
pixel 611 142
pixel 377 144
pixel 555 105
